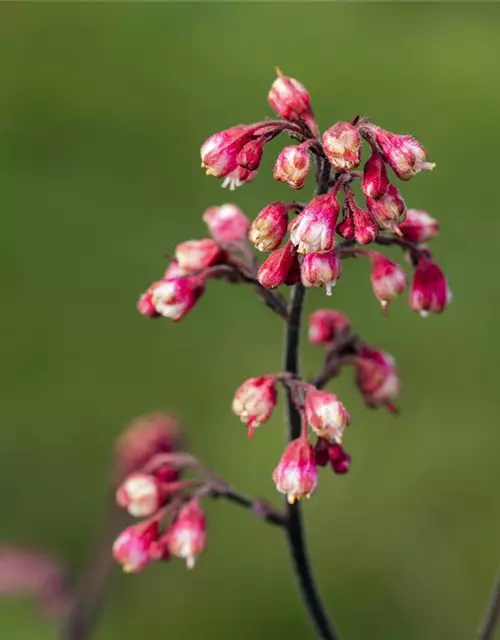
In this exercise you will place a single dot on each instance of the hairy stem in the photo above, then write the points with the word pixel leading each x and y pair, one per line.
pixel 295 529
pixel 487 629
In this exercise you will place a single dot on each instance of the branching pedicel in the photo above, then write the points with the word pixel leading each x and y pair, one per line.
pixel 173 522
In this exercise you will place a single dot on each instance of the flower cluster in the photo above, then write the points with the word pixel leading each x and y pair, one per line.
pixel 306 243
pixel 151 488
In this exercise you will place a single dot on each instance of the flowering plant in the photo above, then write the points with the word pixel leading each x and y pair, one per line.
pixel 306 242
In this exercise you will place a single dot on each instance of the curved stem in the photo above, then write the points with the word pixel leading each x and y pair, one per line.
pixel 490 620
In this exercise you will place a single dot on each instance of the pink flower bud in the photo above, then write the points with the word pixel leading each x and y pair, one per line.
pixel 174 298
pixel 313 231
pixel 196 255
pixel 321 452
pixel 254 401
pixel 227 223
pixel 342 145
pixel 375 181
pixel 365 226
pixel 219 153
pixel 345 229
pixel 143 439
pixel 377 377
pixel 327 325
pixel 388 278
pixel 429 291
pixel 292 166
pixel 321 269
pixel 280 267
pixel 340 460
pixel 187 536
pixel 251 154
pixel 269 227
pixel 145 305
pixel 140 494
pixel 296 474
pixel 406 155
pixel 238 177
pixel 419 226
pixel 131 548
pixel 173 271
pixel 291 100
pixel 389 210
pixel 326 414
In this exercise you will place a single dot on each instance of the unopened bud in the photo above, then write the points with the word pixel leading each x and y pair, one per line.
pixel 174 298
pixel 196 255
pixel 269 227
pixel 326 414
pixel 430 292
pixel 131 548
pixel 280 267
pixel 375 181
pixel 254 401
pixel 389 210
pixel 313 230
pixel 296 474
pixel 291 100
pixel 140 494
pixel 342 145
pixel 419 226
pixel 327 325
pixel 219 153
pixel 321 269
pixel 227 224
pixel 251 154
pixel 292 166
pixel 187 536
pixel 388 278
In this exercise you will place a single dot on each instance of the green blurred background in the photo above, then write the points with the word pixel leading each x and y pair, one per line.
pixel 103 108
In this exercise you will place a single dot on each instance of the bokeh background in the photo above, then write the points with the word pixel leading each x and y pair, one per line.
pixel 102 111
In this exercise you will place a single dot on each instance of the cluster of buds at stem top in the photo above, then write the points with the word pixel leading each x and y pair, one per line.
pixel 254 401
pixel 404 154
pixel 430 292
pixel 388 278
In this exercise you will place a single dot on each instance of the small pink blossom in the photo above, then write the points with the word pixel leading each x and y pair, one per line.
pixel 140 494
pixel 291 100
pixel 389 210
pixel 327 325
pixel 219 153
pixel 419 226
pixel 280 267
pixel 174 298
pixel 375 181
pixel 388 278
pixel 269 227
pixel 292 165
pixel 313 230
pixel 321 269
pixel 196 255
pixel 377 377
pixel 132 547
pixel 342 145
pixel 227 224
pixel 326 414
pixel 406 155
pixel 187 536
pixel 430 292
pixel 254 401
pixel 296 474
